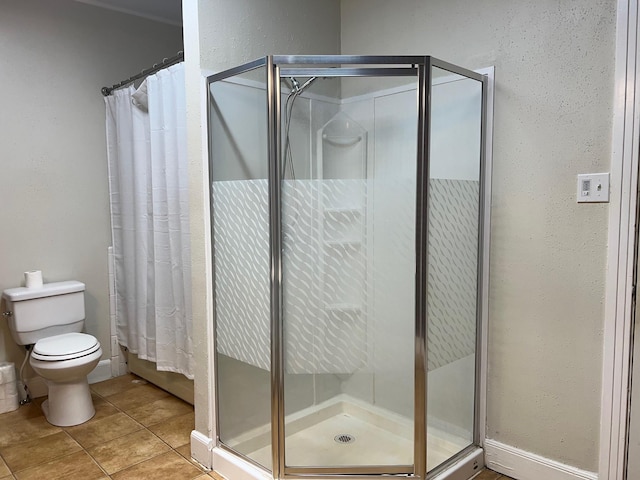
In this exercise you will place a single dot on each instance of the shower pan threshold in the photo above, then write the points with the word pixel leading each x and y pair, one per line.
pixel 379 436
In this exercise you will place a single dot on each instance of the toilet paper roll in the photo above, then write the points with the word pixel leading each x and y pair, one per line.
pixel 33 279
pixel 7 373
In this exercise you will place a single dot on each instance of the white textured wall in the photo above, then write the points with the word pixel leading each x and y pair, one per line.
pixel 234 32
pixel 54 204
pixel 553 109
pixel 221 34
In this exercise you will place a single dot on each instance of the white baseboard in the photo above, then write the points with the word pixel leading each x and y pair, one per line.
pixel 101 373
pixel 522 465
pixel 201 447
pixel 231 466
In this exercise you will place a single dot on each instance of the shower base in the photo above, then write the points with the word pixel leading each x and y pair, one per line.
pixel 370 436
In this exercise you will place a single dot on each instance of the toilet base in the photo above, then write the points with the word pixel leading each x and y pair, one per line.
pixel 68 403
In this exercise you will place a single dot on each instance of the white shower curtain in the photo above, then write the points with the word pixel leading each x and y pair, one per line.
pixel 146 144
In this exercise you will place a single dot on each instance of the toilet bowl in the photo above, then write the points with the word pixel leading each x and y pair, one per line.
pixel 64 361
pixel 50 317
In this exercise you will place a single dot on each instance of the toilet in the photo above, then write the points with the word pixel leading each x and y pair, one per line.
pixel 51 318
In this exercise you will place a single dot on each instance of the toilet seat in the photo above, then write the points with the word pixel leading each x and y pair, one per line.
pixel 65 347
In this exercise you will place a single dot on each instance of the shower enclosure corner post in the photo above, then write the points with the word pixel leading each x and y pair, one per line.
pixel 275 233
pixel 484 222
pixel 213 405
pixel 422 260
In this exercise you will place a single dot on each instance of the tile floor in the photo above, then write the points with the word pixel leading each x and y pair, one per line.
pixel 139 432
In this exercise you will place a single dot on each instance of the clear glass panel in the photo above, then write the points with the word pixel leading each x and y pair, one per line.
pixel 239 165
pixel 454 203
pixel 349 161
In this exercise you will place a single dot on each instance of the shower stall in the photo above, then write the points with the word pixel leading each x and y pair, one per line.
pixel 348 204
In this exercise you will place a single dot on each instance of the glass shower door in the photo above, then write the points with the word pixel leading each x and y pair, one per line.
pixel 348 227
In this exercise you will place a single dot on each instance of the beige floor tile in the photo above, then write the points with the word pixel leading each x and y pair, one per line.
pixel 77 466
pixel 99 431
pixel 176 431
pixel 22 429
pixel 216 475
pixel 117 385
pixel 133 398
pixel 39 450
pixel 4 469
pixel 185 451
pixel 169 465
pixel 160 411
pixel 128 450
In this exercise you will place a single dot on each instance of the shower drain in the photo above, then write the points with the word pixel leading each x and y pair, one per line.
pixel 344 438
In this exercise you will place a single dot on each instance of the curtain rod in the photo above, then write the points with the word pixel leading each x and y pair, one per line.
pixel 166 62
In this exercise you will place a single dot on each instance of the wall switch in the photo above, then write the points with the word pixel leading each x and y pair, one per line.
pixel 593 187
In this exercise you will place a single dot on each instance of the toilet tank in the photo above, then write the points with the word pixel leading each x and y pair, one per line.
pixel 52 309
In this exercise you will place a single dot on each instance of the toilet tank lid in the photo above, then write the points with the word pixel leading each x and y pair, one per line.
pixel 47 290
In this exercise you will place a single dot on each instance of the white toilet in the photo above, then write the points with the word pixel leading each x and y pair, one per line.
pixel 52 317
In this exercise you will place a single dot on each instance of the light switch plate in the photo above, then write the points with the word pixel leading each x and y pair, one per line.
pixel 593 187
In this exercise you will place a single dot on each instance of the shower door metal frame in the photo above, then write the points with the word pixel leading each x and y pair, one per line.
pixel 280 66
pixel 321 66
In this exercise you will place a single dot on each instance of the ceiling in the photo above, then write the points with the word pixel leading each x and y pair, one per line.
pixel 166 11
